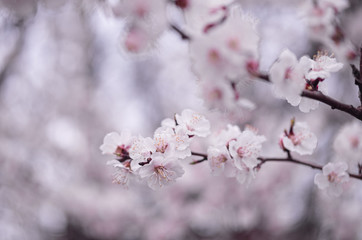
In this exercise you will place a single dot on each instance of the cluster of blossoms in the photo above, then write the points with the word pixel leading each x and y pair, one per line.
pixel 321 18
pixel 348 149
pixel 290 77
pixel 155 160
pixel 235 153
pixel 224 59
pixel 300 139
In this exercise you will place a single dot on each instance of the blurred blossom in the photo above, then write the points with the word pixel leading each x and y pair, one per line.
pixel 72 71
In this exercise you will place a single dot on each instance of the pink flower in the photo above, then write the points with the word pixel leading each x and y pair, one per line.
pixel 220 161
pixel 172 141
pixel 334 175
pixel 300 139
pixel 226 136
pixel 322 66
pixel 235 153
pixel 141 150
pixel 123 174
pixel 117 144
pixel 246 149
pixel 287 76
pixel 160 171
pixel 194 123
pixel 223 53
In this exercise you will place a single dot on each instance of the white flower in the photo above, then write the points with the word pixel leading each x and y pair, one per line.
pixel 160 171
pixel 322 66
pixel 235 153
pixel 168 122
pixel 226 136
pixel 334 175
pixel 162 139
pixel 245 175
pixel 117 144
pixel 300 140
pixel 181 143
pixel 141 150
pixel 172 141
pixel 194 123
pixel 246 149
pixel 287 77
pixel 348 144
pixel 123 173
pixel 220 161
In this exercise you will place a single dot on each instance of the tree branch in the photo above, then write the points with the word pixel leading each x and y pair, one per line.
pixel 358 77
pixel 182 34
pixel 334 104
pixel 288 159
pixel 204 158
pixel 296 161
pixel 319 96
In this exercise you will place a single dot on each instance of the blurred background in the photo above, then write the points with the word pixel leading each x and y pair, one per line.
pixel 65 82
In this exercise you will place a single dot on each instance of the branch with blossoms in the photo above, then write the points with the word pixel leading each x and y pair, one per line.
pixel 319 96
pixel 288 159
pixel 232 152
pixel 224 51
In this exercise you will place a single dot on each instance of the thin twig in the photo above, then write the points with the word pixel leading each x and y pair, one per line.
pixel 182 34
pixel 296 161
pixel 204 157
pixel 11 58
pixel 288 159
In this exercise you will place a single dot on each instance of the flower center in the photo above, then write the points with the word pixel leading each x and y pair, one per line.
pixel 214 56
pixel 233 43
pixel 288 73
pixel 122 151
pixel 296 139
pixel 161 145
pixel 240 152
pixel 162 172
pixel 221 159
pixel 216 94
pixel 354 142
pixel 332 177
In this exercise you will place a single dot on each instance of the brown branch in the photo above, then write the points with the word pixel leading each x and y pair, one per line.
pixel 182 34
pixel 17 49
pixel 288 159
pixel 334 104
pixel 204 158
pixel 319 96
pixel 358 77
pixel 296 161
